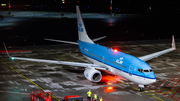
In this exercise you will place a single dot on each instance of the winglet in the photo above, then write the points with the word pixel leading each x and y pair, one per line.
pixel 173 43
pixel 7 52
pixel 6 49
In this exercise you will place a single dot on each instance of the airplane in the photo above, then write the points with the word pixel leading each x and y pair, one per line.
pixel 102 58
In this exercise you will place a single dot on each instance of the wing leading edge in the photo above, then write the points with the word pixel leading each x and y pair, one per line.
pixel 87 65
pixel 154 55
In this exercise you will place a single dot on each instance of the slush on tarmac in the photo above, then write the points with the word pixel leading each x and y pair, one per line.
pixel 64 80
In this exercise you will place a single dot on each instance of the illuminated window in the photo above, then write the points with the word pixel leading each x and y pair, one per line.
pixel 3 4
pixel 63 1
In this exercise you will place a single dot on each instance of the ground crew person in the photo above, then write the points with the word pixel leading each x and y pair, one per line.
pixel 95 97
pixel 89 95
pixel 100 98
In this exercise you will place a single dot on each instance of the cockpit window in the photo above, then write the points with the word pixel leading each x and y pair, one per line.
pixel 145 70
pixel 140 70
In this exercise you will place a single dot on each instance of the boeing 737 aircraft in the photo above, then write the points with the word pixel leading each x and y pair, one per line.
pixel 106 59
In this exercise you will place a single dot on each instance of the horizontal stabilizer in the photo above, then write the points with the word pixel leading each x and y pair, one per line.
pixel 69 42
pixel 96 39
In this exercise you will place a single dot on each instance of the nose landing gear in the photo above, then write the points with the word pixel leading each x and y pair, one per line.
pixel 141 87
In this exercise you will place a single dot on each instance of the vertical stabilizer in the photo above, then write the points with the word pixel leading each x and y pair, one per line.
pixel 81 28
pixel 173 42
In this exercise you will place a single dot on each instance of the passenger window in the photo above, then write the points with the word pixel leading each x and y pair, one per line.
pixel 150 70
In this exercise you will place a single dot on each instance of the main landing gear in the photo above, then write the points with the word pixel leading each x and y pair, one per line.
pixel 141 87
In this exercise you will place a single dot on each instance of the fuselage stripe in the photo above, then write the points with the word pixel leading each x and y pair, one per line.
pixel 114 67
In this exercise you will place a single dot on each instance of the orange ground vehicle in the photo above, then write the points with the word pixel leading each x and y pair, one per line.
pixel 73 98
pixel 44 95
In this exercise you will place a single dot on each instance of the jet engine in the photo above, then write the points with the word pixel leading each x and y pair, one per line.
pixel 92 74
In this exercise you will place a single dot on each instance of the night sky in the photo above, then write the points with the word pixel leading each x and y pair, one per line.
pixel 162 24
pixel 119 6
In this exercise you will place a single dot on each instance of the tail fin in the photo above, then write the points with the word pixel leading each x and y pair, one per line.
pixel 173 43
pixel 81 28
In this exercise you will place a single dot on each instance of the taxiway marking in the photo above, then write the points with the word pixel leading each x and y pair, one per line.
pixel 135 88
pixel 161 93
pixel 27 79
pixel 157 98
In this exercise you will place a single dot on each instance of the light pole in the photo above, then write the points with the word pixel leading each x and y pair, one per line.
pixel 111 7
pixel 9 8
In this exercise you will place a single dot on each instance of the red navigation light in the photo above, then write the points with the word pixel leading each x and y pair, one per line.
pixel 115 50
pixel 9 6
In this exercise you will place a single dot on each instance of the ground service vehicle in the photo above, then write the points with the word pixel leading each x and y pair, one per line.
pixel 44 95
pixel 73 98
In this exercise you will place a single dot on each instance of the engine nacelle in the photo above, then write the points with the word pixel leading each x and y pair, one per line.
pixel 92 75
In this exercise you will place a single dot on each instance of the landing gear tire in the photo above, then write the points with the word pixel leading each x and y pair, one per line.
pixel 141 89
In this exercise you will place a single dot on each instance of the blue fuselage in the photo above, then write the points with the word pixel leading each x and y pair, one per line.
pixel 118 60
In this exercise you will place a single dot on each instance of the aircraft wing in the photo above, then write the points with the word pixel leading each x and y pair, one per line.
pixel 87 65
pixel 154 55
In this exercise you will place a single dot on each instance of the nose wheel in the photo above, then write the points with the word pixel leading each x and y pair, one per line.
pixel 141 87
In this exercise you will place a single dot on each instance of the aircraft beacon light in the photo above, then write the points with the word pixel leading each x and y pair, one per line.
pixel 115 50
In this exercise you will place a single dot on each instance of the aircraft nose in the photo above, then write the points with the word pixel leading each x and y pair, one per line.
pixel 153 80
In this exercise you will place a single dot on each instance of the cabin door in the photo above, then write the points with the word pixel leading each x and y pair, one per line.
pixel 131 67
